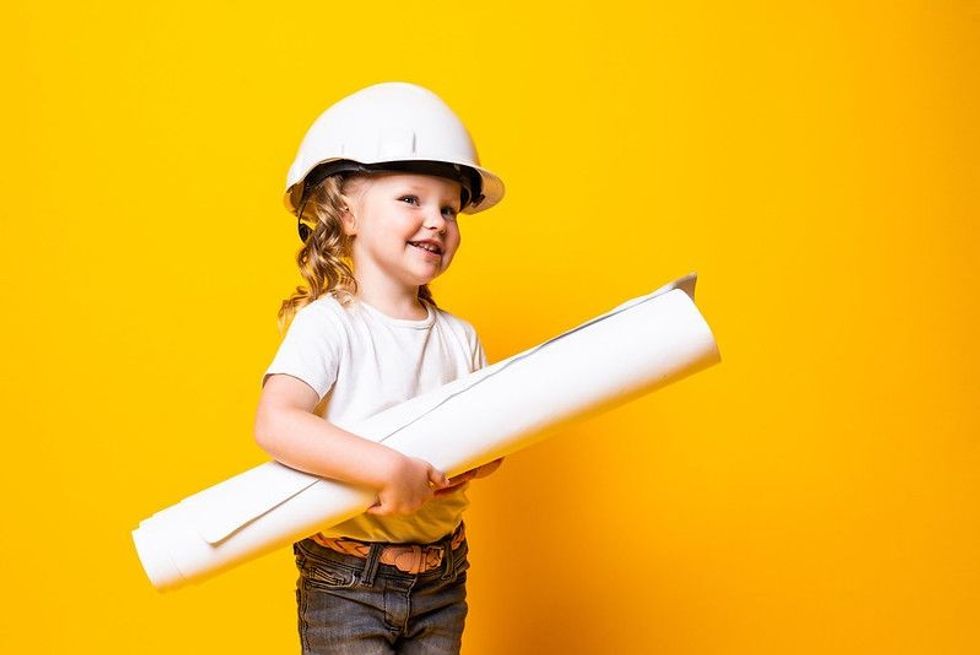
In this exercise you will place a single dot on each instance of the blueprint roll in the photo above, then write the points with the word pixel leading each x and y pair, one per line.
pixel 633 349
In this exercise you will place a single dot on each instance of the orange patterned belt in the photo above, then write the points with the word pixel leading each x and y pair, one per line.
pixel 410 558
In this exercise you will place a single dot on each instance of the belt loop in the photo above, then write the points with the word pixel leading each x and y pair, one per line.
pixel 371 566
pixel 448 557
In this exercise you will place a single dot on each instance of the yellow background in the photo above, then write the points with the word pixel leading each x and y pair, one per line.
pixel 815 162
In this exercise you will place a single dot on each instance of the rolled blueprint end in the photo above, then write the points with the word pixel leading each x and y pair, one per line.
pixel 155 558
pixel 220 526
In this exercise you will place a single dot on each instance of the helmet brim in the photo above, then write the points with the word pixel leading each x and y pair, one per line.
pixel 484 187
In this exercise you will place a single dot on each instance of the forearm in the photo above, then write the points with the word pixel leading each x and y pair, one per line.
pixel 306 442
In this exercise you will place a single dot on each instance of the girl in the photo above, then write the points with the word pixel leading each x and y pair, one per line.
pixel 377 186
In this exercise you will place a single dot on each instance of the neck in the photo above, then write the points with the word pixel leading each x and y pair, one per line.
pixel 392 298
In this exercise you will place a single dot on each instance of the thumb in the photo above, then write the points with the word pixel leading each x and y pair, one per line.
pixel 438 477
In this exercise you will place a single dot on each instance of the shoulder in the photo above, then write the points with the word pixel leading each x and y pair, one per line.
pixel 467 337
pixel 326 306
pixel 459 324
pixel 325 314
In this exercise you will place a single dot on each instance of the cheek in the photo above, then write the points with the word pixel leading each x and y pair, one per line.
pixel 455 237
pixel 452 247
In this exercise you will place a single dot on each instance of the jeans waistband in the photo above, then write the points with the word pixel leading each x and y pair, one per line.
pixel 407 557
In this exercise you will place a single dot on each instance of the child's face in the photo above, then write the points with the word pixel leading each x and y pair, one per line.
pixel 390 210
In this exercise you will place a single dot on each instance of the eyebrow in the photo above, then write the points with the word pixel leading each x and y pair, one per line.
pixel 414 187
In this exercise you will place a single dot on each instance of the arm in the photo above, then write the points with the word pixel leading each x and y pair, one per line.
pixel 286 428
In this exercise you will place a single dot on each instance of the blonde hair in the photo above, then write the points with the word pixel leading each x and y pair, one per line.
pixel 325 261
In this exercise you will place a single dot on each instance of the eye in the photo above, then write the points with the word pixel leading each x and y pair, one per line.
pixel 410 197
pixel 452 211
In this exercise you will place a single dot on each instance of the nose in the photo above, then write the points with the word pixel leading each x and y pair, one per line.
pixel 435 220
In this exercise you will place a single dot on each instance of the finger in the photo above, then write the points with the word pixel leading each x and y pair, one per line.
pixel 438 477
pixel 453 482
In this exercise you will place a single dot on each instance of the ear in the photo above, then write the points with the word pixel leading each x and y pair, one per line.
pixel 348 219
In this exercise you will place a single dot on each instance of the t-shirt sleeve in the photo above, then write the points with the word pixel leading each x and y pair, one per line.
pixel 478 357
pixel 310 350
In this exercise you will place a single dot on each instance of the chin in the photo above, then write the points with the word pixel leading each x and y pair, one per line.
pixel 425 279
pixel 420 280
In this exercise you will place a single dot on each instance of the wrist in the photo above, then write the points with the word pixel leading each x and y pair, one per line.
pixel 389 463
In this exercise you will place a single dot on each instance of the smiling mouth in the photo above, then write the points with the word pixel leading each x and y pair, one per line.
pixel 428 248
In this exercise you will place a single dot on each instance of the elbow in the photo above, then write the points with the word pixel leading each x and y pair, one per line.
pixel 262 441
pixel 264 431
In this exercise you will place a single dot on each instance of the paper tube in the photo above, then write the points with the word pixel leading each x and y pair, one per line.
pixel 639 346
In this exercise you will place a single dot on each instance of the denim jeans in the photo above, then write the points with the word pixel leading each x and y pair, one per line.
pixel 353 606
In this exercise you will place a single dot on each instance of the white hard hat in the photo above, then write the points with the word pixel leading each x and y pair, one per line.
pixel 392 126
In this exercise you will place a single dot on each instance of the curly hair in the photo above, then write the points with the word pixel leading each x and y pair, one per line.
pixel 325 261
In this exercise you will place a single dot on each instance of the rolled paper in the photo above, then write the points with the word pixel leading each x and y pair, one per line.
pixel 633 349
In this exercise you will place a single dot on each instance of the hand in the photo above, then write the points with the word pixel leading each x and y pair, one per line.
pixel 479 472
pixel 410 484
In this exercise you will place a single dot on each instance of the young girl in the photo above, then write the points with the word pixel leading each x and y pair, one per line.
pixel 377 186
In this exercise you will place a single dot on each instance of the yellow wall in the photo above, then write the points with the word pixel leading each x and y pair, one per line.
pixel 815 162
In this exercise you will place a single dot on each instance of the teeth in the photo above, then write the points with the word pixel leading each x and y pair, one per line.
pixel 425 246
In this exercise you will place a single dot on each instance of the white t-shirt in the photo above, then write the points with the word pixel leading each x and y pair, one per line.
pixel 360 361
